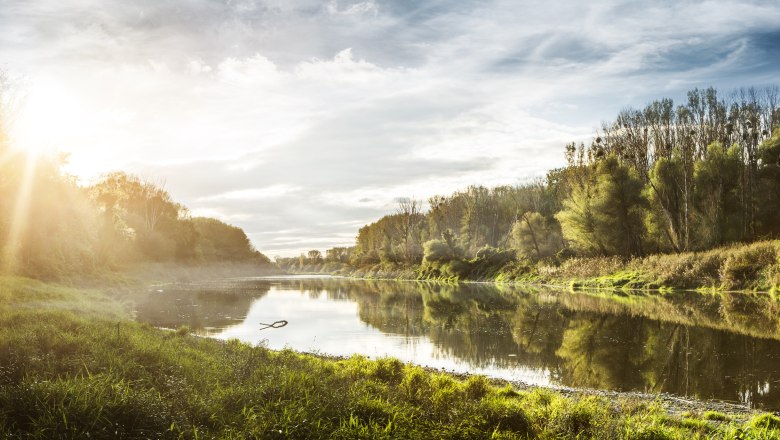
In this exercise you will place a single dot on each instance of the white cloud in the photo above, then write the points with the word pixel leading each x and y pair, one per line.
pixel 342 68
pixel 270 192
pixel 354 103
pixel 198 67
pixel 252 71
pixel 359 8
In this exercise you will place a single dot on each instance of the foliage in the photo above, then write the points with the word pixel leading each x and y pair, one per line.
pixel 535 238
pixel 438 251
pixel 52 228
pixel 218 241
pixel 662 179
pixel 666 220
pixel 605 216
pixel 717 197
pixel 768 190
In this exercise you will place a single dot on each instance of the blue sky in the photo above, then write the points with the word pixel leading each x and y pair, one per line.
pixel 302 120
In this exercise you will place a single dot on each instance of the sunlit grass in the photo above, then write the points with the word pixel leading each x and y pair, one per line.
pixel 739 267
pixel 73 365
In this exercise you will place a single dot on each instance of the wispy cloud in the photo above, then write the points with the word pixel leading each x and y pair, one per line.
pixel 314 116
pixel 269 192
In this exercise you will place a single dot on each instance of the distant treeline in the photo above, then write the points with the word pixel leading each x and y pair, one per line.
pixel 665 178
pixel 52 227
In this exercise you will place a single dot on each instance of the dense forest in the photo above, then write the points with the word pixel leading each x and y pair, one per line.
pixel 52 227
pixel 662 179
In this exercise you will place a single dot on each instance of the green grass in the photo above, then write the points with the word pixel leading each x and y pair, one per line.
pixel 73 365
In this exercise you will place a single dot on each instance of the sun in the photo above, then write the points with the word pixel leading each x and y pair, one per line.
pixel 43 116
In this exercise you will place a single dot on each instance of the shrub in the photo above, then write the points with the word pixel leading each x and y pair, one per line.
pixel 438 251
pixel 495 256
pixel 743 266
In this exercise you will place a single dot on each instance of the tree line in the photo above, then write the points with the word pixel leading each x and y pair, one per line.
pixel 663 178
pixel 50 226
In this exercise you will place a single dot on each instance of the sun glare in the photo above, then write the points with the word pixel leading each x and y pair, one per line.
pixel 18 218
pixel 45 118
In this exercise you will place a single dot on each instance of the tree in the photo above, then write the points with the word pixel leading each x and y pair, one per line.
pixel 578 219
pixel 619 208
pixel 667 219
pixel 768 194
pixel 439 251
pixel 338 254
pixel 219 241
pixel 409 213
pixel 605 214
pixel 315 256
pixel 717 198
pixel 534 237
pixel 142 210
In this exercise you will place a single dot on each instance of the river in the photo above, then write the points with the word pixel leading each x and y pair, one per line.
pixel 724 347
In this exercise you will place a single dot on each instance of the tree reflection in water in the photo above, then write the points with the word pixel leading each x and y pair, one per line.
pixel 708 346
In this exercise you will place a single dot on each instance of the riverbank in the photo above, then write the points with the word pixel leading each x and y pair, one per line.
pixel 73 363
pixel 751 267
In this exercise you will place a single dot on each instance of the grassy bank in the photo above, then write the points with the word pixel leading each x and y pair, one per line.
pixel 746 267
pixel 73 364
pixel 754 267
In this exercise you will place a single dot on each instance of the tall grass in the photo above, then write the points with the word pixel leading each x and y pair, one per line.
pixel 745 267
pixel 73 365
pixel 754 266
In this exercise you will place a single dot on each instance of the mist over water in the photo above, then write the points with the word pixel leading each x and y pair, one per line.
pixel 710 347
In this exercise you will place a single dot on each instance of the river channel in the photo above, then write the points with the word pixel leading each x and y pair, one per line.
pixel 724 347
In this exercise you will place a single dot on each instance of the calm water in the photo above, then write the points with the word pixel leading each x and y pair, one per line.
pixel 706 346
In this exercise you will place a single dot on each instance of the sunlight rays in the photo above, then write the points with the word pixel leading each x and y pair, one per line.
pixel 19 218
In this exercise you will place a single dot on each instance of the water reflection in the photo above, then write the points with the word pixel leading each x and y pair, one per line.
pixel 708 346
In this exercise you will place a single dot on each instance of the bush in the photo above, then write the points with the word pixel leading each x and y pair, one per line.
pixel 744 266
pixel 495 256
pixel 438 251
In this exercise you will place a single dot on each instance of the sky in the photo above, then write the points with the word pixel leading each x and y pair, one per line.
pixel 302 120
